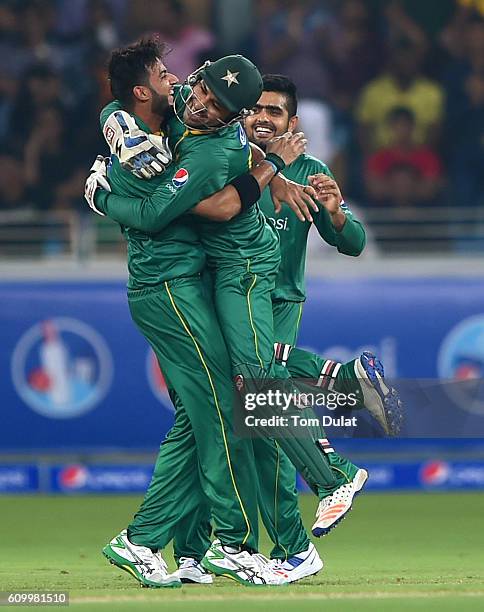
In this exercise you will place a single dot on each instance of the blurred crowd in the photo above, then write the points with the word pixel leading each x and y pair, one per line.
pixel 391 91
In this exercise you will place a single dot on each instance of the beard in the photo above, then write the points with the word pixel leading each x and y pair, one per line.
pixel 159 104
pixel 260 143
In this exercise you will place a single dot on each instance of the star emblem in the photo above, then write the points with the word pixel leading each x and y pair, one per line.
pixel 231 78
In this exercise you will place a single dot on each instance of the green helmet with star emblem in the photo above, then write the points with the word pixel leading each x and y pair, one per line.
pixel 235 82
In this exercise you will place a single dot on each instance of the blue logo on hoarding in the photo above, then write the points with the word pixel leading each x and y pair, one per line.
pixel 461 359
pixel 61 368
pixel 100 478
pixel 19 478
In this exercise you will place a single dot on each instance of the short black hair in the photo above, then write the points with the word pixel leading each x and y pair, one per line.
pixel 282 84
pixel 128 66
pixel 401 112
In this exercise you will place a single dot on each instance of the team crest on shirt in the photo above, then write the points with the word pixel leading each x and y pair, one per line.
pixel 242 136
pixel 180 178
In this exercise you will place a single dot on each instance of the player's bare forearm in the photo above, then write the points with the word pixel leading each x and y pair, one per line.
pixel 257 153
pixel 221 206
pixel 225 204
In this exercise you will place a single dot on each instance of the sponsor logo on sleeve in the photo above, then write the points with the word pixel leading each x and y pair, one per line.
pixel 180 178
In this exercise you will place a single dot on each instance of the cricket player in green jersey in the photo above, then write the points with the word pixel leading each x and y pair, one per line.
pixel 200 458
pixel 242 257
pixel 276 113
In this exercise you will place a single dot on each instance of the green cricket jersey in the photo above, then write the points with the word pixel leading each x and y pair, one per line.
pixel 172 252
pixel 204 164
pixel 293 234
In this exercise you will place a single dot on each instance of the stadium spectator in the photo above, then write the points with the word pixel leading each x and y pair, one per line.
pixel 467 148
pixel 353 53
pixel 50 158
pixel 41 87
pixel 391 168
pixel 401 85
pixel 190 44
pixel 8 94
pixel 74 16
pixel 464 83
pixel 290 38
pixel 401 29
pixel 13 186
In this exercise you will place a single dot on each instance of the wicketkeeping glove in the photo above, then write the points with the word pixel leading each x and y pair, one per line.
pixel 97 179
pixel 144 155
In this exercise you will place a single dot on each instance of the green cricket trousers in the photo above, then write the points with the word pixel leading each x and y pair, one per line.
pixel 201 461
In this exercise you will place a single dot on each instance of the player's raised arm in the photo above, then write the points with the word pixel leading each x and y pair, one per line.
pixel 191 184
pixel 245 190
pixel 184 186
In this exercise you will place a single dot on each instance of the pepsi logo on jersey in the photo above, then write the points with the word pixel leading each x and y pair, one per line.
pixel 180 178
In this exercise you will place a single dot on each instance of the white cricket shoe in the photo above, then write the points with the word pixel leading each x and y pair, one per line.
pixel 190 570
pixel 147 567
pixel 302 565
pixel 241 566
pixel 333 508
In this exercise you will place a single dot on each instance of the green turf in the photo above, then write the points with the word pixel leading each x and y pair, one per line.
pixel 393 552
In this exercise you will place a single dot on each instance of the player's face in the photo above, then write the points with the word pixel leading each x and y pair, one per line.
pixel 160 86
pixel 269 118
pixel 203 109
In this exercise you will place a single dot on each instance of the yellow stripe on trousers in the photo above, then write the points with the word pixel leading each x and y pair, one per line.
pixel 276 494
pixel 256 344
pixel 214 393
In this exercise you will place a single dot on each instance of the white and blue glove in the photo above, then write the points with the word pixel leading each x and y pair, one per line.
pixel 97 179
pixel 144 155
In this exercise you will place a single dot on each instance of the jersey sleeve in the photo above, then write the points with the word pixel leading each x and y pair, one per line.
pixel 350 240
pixel 108 110
pixel 198 175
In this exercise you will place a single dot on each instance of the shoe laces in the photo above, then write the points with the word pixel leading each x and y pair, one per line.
pixel 154 560
pixel 262 562
pixel 276 564
pixel 267 568
pixel 186 562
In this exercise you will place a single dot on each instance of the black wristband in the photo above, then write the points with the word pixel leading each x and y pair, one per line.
pixel 278 162
pixel 248 189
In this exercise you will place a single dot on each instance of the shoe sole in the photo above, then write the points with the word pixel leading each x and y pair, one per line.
pixel 207 579
pixel 176 584
pixel 312 573
pixel 362 476
pixel 190 581
pixel 391 402
pixel 226 573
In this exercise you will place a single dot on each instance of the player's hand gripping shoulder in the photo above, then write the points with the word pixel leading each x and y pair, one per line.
pixel 144 155
pixel 288 147
pixel 97 179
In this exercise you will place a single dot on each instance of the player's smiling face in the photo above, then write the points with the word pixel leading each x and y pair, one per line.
pixel 269 118
pixel 160 84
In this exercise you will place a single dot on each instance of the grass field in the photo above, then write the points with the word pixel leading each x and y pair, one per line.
pixel 394 552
